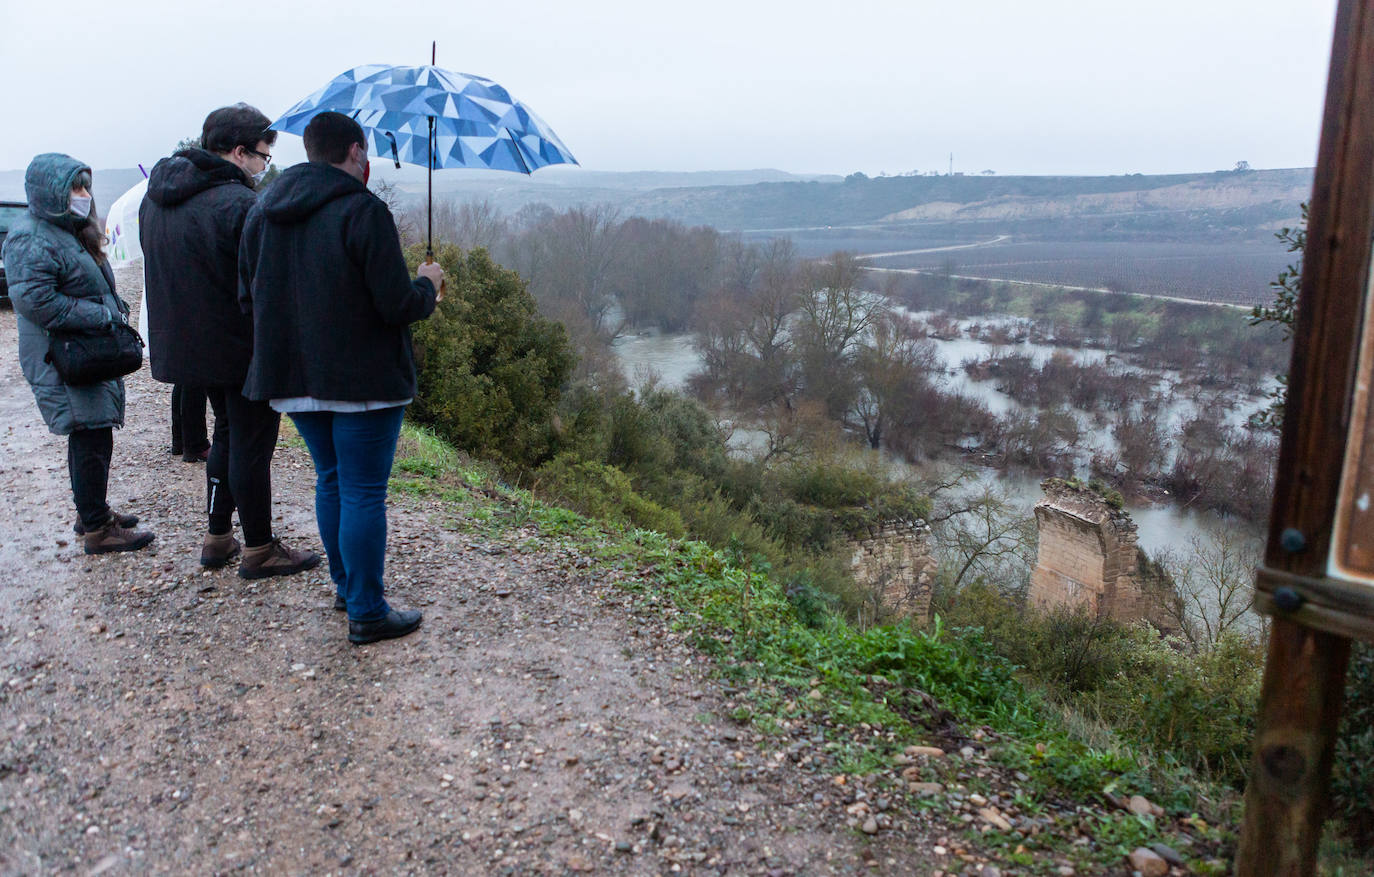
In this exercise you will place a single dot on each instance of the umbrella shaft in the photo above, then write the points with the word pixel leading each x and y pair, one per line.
pixel 429 236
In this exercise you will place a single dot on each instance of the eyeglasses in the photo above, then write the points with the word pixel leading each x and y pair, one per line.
pixel 262 155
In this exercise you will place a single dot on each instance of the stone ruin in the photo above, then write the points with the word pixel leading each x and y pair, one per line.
pixel 1087 557
pixel 893 562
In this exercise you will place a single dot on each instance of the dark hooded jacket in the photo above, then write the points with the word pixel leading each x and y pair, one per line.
pixel 321 268
pixel 56 285
pixel 189 226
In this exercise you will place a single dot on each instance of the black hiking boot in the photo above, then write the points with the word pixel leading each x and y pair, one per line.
pixel 392 625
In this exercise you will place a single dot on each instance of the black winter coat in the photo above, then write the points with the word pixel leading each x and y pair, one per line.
pixel 189 226
pixel 332 300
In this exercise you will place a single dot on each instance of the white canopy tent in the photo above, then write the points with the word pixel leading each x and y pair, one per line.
pixel 121 227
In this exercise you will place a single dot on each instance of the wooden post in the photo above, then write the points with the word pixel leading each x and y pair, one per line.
pixel 1304 678
pixel 1285 803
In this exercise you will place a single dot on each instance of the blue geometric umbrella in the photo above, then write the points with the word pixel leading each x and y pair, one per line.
pixel 435 118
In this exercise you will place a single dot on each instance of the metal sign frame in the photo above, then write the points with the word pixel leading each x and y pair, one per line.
pixel 1352 547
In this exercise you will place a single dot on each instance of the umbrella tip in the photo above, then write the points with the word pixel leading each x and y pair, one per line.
pixel 433 52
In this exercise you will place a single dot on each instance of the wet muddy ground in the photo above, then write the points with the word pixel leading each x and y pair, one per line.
pixel 159 718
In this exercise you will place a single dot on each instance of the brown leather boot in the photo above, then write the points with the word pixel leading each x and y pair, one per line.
pixel 113 537
pixel 128 522
pixel 275 559
pixel 216 551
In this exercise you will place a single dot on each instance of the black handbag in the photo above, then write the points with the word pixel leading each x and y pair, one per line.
pixel 89 357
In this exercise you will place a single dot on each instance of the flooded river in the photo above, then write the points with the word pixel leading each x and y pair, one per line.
pixel 672 359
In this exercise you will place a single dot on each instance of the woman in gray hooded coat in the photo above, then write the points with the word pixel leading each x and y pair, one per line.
pixel 60 280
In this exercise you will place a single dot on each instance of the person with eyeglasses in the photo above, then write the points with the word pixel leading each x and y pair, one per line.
pixel 190 222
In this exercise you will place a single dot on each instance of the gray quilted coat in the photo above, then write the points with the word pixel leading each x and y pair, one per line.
pixel 55 284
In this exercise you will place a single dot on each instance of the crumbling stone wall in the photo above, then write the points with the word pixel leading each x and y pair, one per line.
pixel 893 562
pixel 1087 557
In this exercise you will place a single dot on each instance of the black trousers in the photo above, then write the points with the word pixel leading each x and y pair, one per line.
pixel 88 462
pixel 238 473
pixel 188 420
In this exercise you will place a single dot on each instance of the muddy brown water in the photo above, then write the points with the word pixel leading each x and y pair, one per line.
pixel 158 718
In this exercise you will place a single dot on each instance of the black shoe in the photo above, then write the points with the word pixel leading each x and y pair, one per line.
pixel 339 604
pixel 128 522
pixel 394 624
pixel 196 456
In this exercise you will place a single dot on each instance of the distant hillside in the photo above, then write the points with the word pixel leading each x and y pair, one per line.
pixel 559 187
pixel 1247 198
pixel 1212 192
pixel 1220 205
pixel 564 187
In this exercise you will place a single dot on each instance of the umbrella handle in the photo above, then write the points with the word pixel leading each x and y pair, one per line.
pixel 429 260
pixel 394 156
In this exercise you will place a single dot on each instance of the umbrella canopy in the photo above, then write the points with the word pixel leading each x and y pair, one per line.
pixel 476 123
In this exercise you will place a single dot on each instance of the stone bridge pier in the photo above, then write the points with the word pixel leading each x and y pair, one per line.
pixel 1087 557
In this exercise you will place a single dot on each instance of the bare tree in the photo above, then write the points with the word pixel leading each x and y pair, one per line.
pixel 835 316
pixel 982 533
pixel 740 265
pixel 392 198
pixel 526 249
pixel 1215 579
pixel 892 362
pixel 796 431
pixel 744 336
pixel 478 224
pixel 663 270
pixel 1141 442
pixel 585 245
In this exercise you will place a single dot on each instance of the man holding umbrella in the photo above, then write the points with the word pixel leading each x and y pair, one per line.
pixel 332 300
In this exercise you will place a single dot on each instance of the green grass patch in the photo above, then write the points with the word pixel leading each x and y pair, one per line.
pixel 871 692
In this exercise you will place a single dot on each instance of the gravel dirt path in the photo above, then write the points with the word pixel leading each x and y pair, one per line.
pixel 158 718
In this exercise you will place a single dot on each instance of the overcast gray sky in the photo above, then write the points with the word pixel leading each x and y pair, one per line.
pixel 1057 86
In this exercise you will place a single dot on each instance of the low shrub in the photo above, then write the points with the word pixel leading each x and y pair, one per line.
pixel 602 491
pixel 1352 784
pixel 1197 706
pixel 1193 708
pixel 1064 650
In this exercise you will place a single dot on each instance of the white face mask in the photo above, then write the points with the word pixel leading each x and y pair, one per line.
pixel 81 205
pixel 257 177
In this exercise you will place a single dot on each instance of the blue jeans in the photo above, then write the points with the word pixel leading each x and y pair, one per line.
pixel 353 454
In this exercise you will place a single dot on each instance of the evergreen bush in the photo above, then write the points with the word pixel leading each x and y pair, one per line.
pixel 490 368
